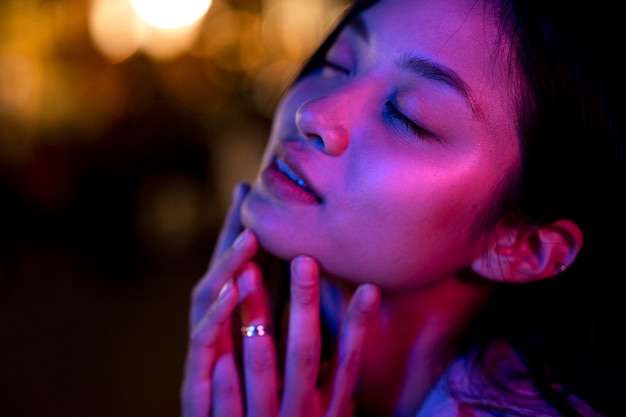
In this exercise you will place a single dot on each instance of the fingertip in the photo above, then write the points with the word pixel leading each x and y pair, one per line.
pixel 226 289
pixel 364 304
pixel 239 191
pixel 250 278
pixel 369 297
pixel 228 296
pixel 304 282
pixel 245 238
pixel 305 268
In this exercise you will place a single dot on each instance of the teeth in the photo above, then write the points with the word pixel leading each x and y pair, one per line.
pixel 288 172
pixel 282 167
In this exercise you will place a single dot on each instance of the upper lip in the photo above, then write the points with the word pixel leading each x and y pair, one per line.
pixel 292 169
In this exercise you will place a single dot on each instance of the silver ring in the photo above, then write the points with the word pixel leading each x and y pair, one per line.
pixel 258 330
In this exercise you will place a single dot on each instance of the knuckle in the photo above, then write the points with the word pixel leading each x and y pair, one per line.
pixel 205 332
pixel 304 294
pixel 360 317
pixel 198 339
pixel 260 361
pixel 225 388
pixel 201 293
pixel 197 294
pixel 304 357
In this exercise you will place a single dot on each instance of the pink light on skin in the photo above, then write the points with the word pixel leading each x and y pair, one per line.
pixel 285 186
pixel 406 134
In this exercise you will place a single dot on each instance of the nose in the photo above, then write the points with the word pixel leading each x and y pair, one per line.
pixel 324 121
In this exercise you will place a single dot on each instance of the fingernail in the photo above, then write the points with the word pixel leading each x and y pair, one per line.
pixel 247 280
pixel 368 297
pixel 226 288
pixel 240 190
pixel 305 270
pixel 241 239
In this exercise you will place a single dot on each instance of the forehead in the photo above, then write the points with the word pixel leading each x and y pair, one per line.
pixel 460 34
pixel 442 20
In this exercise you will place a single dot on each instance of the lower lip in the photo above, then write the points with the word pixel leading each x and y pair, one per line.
pixel 283 188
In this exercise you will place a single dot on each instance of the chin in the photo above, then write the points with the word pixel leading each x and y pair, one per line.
pixel 273 236
pixel 286 240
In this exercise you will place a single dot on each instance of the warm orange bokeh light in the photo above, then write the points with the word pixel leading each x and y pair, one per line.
pixel 171 14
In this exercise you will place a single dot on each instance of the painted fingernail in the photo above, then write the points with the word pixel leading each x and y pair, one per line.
pixel 225 290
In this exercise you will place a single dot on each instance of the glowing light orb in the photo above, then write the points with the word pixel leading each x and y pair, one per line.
pixel 115 28
pixel 170 14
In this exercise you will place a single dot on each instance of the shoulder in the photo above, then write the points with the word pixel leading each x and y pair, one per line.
pixel 496 386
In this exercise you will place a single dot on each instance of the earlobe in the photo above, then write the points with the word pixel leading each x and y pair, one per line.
pixel 531 253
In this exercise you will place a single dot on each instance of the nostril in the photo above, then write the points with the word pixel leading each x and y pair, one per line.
pixel 317 141
pixel 321 123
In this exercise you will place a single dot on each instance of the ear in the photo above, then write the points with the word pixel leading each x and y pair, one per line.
pixel 531 253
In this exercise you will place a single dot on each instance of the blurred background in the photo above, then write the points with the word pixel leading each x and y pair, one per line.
pixel 124 125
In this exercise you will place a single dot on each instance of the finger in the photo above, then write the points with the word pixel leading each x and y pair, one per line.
pixel 227 397
pixel 202 353
pixel 304 338
pixel 361 311
pixel 259 352
pixel 232 222
pixel 227 267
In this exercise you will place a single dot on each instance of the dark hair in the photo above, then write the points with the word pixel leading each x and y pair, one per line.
pixel 571 125
pixel 571 115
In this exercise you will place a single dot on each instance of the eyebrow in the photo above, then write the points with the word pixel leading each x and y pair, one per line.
pixel 425 68
pixel 441 74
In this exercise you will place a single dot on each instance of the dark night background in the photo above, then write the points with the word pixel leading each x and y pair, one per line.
pixel 116 165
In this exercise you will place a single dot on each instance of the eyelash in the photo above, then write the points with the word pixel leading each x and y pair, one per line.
pixel 392 112
pixel 336 67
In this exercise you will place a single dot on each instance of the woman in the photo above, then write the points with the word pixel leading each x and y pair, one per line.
pixel 430 177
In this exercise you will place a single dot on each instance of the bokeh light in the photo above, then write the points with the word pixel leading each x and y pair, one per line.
pixel 115 29
pixel 170 14
pixel 161 29
pixel 122 133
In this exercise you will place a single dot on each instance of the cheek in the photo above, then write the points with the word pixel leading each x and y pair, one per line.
pixel 424 224
pixel 430 212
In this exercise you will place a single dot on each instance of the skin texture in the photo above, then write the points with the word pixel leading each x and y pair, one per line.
pixel 213 385
pixel 399 209
pixel 379 173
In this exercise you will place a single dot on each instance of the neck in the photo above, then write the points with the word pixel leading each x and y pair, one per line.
pixel 416 336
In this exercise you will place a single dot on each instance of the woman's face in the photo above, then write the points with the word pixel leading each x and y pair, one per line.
pixel 382 164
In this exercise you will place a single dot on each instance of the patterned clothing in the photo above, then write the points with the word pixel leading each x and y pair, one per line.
pixel 466 390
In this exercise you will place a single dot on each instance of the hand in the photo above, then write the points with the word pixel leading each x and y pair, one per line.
pixel 304 394
pixel 212 384
pixel 214 299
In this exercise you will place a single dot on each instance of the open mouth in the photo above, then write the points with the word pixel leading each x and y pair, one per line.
pixel 295 178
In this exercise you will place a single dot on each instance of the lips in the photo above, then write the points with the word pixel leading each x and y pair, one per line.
pixel 293 175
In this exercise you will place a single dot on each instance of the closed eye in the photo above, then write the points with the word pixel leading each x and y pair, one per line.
pixel 392 112
pixel 326 64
